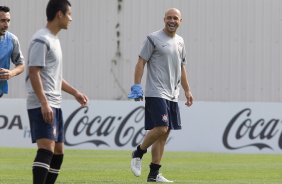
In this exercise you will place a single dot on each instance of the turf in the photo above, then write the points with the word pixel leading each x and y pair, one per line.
pixel 100 166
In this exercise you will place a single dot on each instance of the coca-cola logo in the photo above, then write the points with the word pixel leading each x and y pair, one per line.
pixel 242 131
pixel 81 128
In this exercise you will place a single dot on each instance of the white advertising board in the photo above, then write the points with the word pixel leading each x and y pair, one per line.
pixel 206 126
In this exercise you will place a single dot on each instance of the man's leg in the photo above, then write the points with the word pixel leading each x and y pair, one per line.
pixel 151 137
pixel 154 135
pixel 158 148
pixel 157 153
pixel 58 156
pixel 56 163
pixel 41 164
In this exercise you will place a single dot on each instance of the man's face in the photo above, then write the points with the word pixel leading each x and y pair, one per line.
pixel 4 22
pixel 172 21
pixel 66 19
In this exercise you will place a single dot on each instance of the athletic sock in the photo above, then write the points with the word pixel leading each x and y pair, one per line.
pixel 54 170
pixel 139 152
pixel 41 165
pixel 154 171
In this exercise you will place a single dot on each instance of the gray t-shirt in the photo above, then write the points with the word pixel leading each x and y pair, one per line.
pixel 45 52
pixel 17 56
pixel 164 56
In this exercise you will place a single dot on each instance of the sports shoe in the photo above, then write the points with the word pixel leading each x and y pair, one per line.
pixel 136 165
pixel 159 179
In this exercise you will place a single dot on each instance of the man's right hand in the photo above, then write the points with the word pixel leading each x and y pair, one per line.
pixel 47 113
pixel 136 92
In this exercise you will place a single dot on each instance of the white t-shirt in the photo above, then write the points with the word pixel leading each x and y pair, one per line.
pixel 164 56
pixel 45 52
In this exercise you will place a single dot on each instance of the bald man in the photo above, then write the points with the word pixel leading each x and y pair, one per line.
pixel 164 53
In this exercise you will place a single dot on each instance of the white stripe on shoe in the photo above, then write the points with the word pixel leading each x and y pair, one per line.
pixel 162 179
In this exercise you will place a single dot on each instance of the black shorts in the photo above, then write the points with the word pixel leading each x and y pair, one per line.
pixel 40 129
pixel 161 112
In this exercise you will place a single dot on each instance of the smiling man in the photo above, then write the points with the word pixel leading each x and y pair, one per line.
pixel 165 56
pixel 9 51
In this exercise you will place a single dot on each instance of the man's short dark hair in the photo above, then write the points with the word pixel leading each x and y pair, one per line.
pixel 54 6
pixel 4 9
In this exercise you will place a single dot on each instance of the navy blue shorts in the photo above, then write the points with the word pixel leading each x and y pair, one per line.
pixel 161 112
pixel 40 129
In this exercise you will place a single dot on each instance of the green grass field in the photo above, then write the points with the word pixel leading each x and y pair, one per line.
pixel 97 166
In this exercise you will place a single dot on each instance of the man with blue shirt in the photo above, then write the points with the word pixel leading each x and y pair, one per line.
pixel 165 56
pixel 9 51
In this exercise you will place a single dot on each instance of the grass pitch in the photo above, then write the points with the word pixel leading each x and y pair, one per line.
pixel 103 167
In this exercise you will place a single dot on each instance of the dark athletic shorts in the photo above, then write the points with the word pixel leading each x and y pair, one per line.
pixel 40 129
pixel 161 112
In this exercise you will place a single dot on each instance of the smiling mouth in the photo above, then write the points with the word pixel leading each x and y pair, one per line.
pixel 172 26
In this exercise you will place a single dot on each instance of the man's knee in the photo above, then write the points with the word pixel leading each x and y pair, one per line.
pixel 46 144
pixel 59 148
pixel 163 130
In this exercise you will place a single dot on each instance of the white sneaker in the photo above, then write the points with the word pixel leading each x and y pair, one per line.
pixel 136 166
pixel 159 179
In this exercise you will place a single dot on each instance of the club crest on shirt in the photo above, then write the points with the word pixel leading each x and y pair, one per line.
pixel 164 118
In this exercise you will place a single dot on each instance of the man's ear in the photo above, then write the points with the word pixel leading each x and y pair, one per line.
pixel 60 14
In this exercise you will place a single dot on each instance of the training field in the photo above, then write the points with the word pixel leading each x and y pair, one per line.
pixel 96 166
